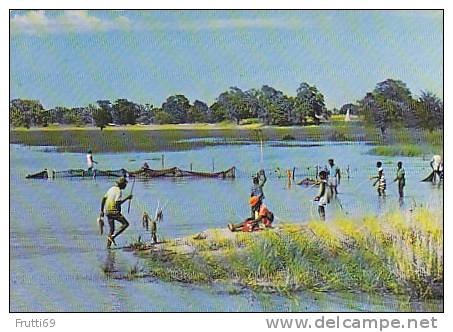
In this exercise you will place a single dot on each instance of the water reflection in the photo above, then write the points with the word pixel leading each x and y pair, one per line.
pixel 109 265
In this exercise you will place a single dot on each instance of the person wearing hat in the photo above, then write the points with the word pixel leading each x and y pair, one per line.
pixel 322 197
pixel 111 206
pixel 263 217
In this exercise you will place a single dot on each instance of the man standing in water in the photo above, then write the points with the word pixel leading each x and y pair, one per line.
pixel 401 178
pixel 334 177
pixel 380 180
pixel 111 204
pixel 322 198
pixel 90 161
pixel 437 166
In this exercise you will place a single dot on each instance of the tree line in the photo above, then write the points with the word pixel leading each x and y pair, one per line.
pixel 390 103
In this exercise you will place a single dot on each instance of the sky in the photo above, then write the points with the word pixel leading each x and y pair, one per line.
pixel 73 58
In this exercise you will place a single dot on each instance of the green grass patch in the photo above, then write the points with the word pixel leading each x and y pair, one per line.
pixel 398 253
pixel 407 150
pixel 177 137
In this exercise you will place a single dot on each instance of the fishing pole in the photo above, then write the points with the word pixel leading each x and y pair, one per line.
pixel 132 189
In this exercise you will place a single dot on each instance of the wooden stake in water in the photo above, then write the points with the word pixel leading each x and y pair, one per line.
pixel 261 146
pixel 132 189
pixel 163 163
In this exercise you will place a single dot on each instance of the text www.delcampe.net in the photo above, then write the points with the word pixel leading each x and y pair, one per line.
pixel 351 323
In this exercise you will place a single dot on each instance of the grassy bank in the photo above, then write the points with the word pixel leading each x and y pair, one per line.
pixel 173 137
pixel 398 254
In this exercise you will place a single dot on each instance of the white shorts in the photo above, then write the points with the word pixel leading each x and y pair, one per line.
pixel 332 182
pixel 322 201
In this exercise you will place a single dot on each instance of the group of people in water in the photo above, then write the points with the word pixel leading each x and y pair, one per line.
pixel 328 180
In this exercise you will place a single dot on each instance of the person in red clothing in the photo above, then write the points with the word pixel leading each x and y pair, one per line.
pixel 263 217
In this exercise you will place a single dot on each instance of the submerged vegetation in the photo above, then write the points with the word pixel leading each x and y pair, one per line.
pixel 399 254
pixel 408 150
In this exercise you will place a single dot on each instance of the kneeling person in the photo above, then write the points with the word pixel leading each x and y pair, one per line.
pixel 111 204
pixel 263 217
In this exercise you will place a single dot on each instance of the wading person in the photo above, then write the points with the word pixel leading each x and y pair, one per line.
pixel 322 197
pixel 278 172
pixel 438 167
pixel 257 187
pixel 145 166
pixel 401 178
pixel 90 161
pixel 333 177
pixel 263 217
pixel 111 206
pixel 380 180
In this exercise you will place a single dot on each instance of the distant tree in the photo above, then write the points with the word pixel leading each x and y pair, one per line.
pixel 84 115
pixel 198 112
pixel 390 104
pixel 216 113
pixel 310 103
pixel 18 118
pixel 374 111
pixel 145 114
pixel 106 105
pixel 177 107
pixel 397 99
pixel 126 112
pixel 162 117
pixel 430 111
pixel 101 116
pixel 57 114
pixel 275 108
pixel 27 113
pixel 237 104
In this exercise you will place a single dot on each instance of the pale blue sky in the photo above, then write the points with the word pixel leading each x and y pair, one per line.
pixel 75 58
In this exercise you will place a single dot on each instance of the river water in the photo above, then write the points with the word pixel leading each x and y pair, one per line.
pixel 57 258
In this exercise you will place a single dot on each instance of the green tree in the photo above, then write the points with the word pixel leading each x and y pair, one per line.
pixel 162 117
pixel 101 116
pixel 310 103
pixel 27 113
pixel 236 103
pixel 275 108
pixel 216 113
pixel 198 112
pixel 125 111
pixel 390 104
pixel 430 111
pixel 177 107
pixel 146 114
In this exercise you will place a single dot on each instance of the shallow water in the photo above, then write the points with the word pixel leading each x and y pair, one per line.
pixel 57 257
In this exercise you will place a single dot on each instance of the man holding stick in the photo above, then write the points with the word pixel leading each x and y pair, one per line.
pixel 111 205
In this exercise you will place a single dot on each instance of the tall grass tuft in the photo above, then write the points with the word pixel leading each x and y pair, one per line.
pixel 398 253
